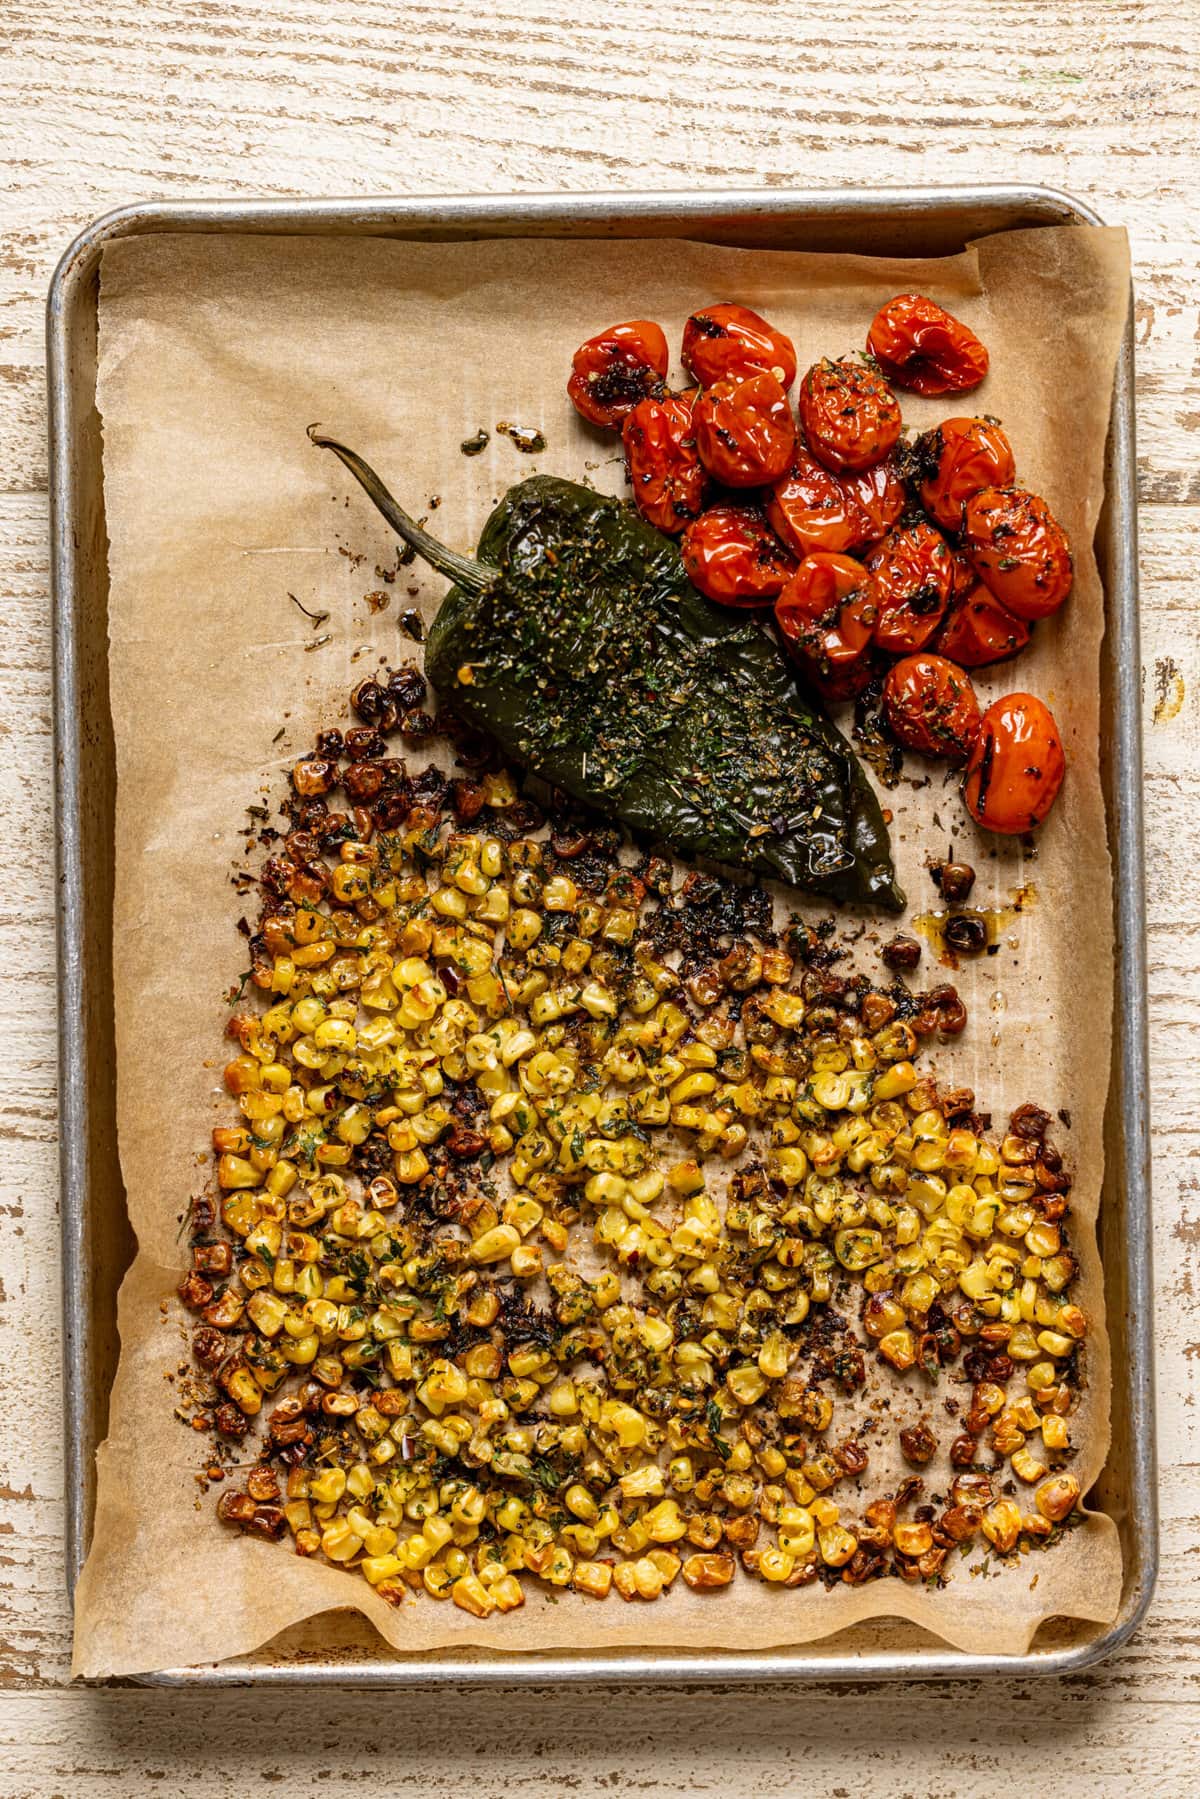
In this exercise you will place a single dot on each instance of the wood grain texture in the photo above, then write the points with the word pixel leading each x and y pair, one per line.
pixel 105 103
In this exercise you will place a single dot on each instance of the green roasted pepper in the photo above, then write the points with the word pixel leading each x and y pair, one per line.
pixel 577 641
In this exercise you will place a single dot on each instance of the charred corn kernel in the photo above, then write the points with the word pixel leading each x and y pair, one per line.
pixel 1027 1467
pixel 664 1522
pixel 496 1244
pixel 507 1593
pixel 797 1530
pixel 593 1577
pixel 339 1542
pixel 643 1483
pixel 912 1539
pixel 437 1582
pixel 469 1593
pixel 327 1487
pixel 836 1545
pixel 1002 1525
pixel 1056 1498
pixel 1055 1433
pixel 379 1568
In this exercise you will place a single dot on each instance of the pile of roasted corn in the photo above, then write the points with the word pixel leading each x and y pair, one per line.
pixel 562 1212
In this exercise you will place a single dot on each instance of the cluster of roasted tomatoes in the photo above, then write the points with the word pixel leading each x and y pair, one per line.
pixel 893 560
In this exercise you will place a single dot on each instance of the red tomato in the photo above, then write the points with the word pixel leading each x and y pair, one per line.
pixel 1018 549
pixel 728 342
pixel 930 706
pixel 879 498
pixel 662 462
pixel 827 609
pixel 812 509
pixel 732 557
pixel 849 414
pixel 978 630
pixel 1016 767
pixel 615 370
pixel 921 346
pixel 962 578
pixel 957 459
pixel 914 577
pixel 845 682
pixel 745 432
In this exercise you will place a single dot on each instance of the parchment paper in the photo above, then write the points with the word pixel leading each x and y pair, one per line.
pixel 215 355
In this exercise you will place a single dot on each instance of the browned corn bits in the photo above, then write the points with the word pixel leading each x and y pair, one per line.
pixel 473 1052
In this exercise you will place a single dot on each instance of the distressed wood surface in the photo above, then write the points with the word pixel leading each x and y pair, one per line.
pixel 104 103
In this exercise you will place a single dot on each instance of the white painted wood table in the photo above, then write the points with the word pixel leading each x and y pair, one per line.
pixel 107 101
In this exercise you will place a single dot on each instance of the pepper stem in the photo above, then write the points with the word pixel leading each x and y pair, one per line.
pixel 464 571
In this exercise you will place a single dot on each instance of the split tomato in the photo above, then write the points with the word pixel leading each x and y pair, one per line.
pixel 732 557
pixel 728 342
pixel 745 432
pixel 921 346
pixel 978 631
pixel 662 462
pixel 826 610
pixel 849 415
pixel 955 460
pixel 614 370
pixel 930 706
pixel 914 575
pixel 1016 767
pixel 1018 549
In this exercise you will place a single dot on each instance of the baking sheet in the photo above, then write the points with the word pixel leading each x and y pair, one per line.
pixel 214 355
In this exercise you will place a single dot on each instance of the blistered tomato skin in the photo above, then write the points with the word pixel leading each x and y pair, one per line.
pixel 930 706
pixel 878 498
pixel 826 610
pixel 914 574
pixel 732 557
pixel 844 682
pixel 614 370
pixel 979 631
pixel 922 347
pixel 728 342
pixel 1018 549
pixel 1016 767
pixel 813 509
pixel 745 432
pixel 955 461
pixel 849 415
pixel 662 462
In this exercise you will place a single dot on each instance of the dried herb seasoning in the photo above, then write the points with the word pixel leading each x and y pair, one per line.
pixel 576 640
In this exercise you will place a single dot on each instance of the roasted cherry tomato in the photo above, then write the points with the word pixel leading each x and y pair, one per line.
pixel 813 509
pixel 615 370
pixel 978 630
pixel 879 498
pixel 930 706
pixel 844 682
pixel 955 460
pixel 1016 767
pixel 1019 550
pixel 914 573
pixel 745 432
pixel 728 342
pixel 921 346
pixel 849 414
pixel 963 578
pixel 662 462
pixel 732 556
pixel 827 609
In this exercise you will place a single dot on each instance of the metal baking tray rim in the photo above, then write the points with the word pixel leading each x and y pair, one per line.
pixel 81 716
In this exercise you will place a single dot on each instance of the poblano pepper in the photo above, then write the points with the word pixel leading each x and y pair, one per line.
pixel 576 640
